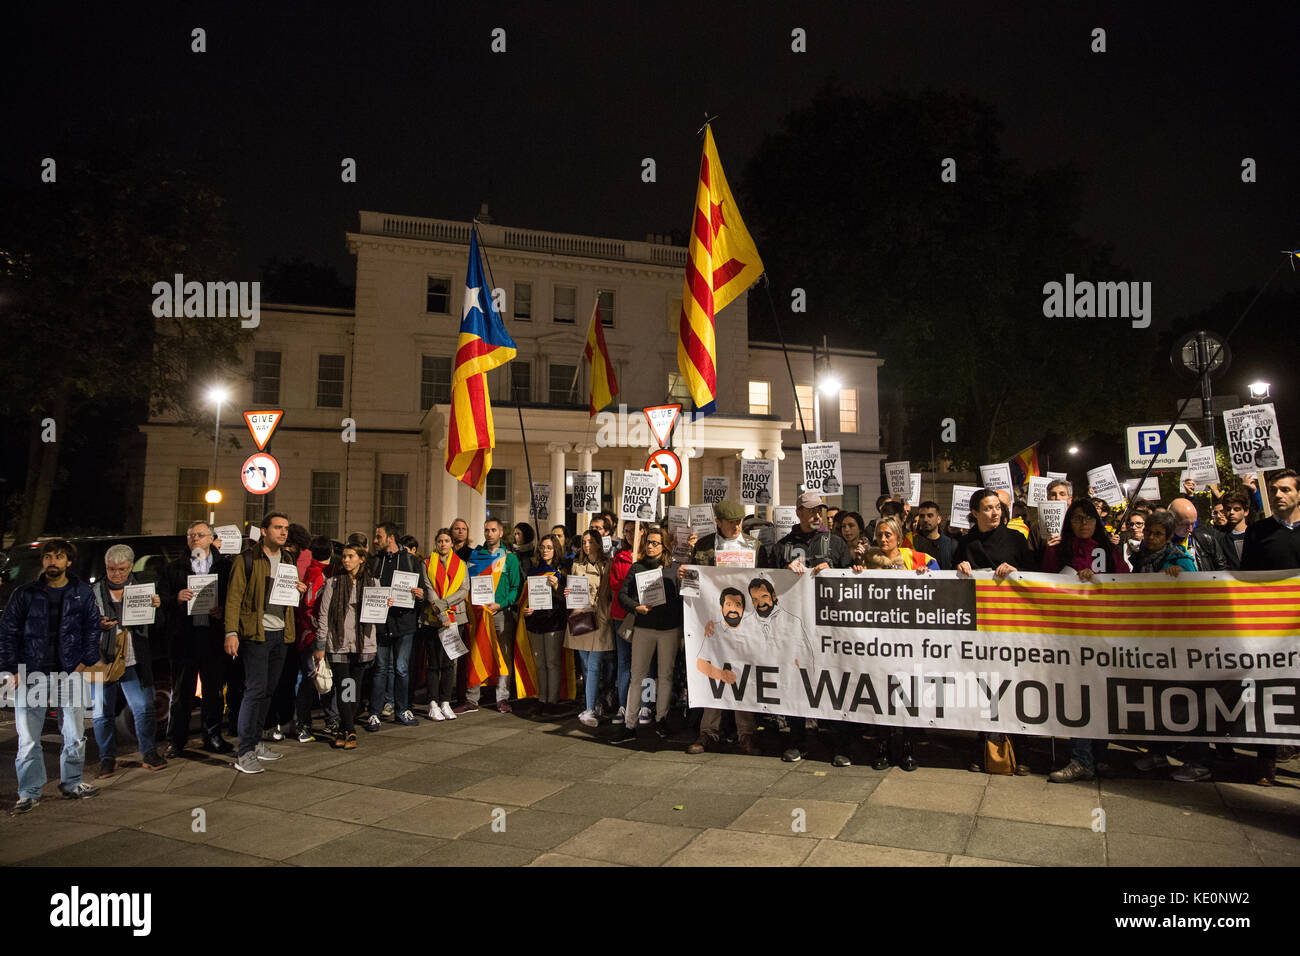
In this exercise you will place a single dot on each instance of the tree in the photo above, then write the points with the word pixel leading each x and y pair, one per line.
pixel 944 279
pixel 78 260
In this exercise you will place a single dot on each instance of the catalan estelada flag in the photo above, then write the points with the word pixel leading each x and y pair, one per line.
pixel 1023 465
pixel 722 263
pixel 603 384
pixel 486 662
pixel 526 682
pixel 484 344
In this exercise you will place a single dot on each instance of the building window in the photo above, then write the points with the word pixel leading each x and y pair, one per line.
pixel 497 491
pixel 329 382
pixel 392 499
pixel 607 309
pixel 805 395
pixel 561 391
pixel 848 410
pixel 521 381
pixel 760 398
pixel 437 295
pixel 255 506
pixel 566 303
pixel 524 301
pixel 266 378
pixel 435 381
pixel 191 486
pixel 325 503
pixel 851 499
pixel 679 391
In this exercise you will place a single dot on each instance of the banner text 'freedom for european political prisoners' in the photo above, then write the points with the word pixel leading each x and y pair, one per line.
pixel 1206 656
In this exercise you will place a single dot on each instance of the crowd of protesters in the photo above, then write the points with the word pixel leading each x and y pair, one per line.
pixel 267 669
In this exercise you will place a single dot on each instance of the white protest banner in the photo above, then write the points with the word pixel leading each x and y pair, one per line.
pixel 716 488
pixel 542 501
pixel 403 581
pixel 1254 444
pixel 374 605
pixel 960 515
pixel 784 518
pixel 821 467
pixel 914 489
pixel 137 605
pixel 229 540
pixel 897 478
pixel 650 587
pixel 1201 466
pixel 481 590
pixel 640 500
pixel 702 522
pixel 997 478
pixel 579 596
pixel 539 592
pixel 1027 655
pixel 756 481
pixel 586 493
pixel 204 587
pixel 1051 517
pixel 451 642
pixel 1105 485
pixel 1037 490
pixel 284 587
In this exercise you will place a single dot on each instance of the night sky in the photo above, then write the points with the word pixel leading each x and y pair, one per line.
pixel 552 132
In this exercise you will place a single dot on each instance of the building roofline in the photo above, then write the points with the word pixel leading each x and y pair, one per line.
pixel 294 307
pixel 807 349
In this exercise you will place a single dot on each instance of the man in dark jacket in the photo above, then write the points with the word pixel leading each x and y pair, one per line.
pixel 390 695
pixel 1232 536
pixel 50 633
pixel 1201 543
pixel 196 642
pixel 136 682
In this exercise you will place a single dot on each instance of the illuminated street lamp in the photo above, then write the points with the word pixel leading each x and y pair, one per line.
pixel 1073 449
pixel 217 394
pixel 1258 391
pixel 213 498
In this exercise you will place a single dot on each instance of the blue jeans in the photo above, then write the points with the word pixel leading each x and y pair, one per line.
pixel 1087 752
pixel 388 687
pixel 594 665
pixel 140 699
pixel 623 649
pixel 30 720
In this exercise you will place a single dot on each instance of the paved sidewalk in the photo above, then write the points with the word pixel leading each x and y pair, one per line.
pixel 497 790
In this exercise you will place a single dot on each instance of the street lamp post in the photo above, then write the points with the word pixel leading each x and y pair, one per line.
pixel 217 394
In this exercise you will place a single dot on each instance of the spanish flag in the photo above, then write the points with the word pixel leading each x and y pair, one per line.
pixel 722 263
pixel 484 344
pixel 603 384
pixel 1024 465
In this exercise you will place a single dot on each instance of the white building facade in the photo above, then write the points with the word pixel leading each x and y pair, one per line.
pixel 381 373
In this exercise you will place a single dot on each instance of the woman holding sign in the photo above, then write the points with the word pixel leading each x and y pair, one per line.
pixel 447 608
pixel 589 631
pixel 340 634
pixel 546 625
pixel 650 591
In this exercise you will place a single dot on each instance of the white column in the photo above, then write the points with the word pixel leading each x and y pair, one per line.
pixel 585 451
pixel 683 492
pixel 557 450
pixel 777 455
pixel 448 489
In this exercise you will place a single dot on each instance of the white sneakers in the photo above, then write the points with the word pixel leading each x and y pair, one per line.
pixel 643 717
pixel 447 712
pixel 588 718
pixel 435 711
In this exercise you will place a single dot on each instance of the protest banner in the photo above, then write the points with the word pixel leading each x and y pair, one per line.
pixel 997 478
pixel 1105 485
pixel 821 467
pixel 586 493
pixel 542 501
pixel 897 478
pixel 914 489
pixel 1051 517
pixel 284 586
pixel 960 516
pixel 716 488
pixel 1201 466
pixel 1254 444
pixel 1209 656
pixel 374 605
pixel 756 481
pixel 1037 490
pixel 204 587
pixel 640 501
pixel 137 605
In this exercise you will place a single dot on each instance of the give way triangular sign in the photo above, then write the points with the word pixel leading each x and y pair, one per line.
pixel 262 425
pixel 661 419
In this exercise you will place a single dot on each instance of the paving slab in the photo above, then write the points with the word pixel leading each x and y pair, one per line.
pixel 1269 832
pixel 1142 849
pixel 510 790
pixel 291 834
pixel 840 853
pixel 441 817
pixel 898 791
pixel 628 841
pixel 826 786
pixel 1036 843
pixel 285 791
pixel 436 780
pixel 32 836
pixel 472 853
pixel 720 779
pixel 908 828
pixel 119 848
pixel 976 861
pixel 371 771
pixel 219 817
pixel 532 829
pixel 699 809
pixel 645 773
pixel 596 799
pixel 807 819
pixel 1035 800
pixel 368 847
pixel 560 859
pixel 567 766
pixel 431 751
pixel 365 805
pixel 202 854
pixel 1187 822
pixel 739 848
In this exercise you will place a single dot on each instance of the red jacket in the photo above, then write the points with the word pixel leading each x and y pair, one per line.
pixel 1080 557
pixel 618 570
pixel 314 578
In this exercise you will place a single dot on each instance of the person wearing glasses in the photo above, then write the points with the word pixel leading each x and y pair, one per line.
pixel 196 641
pixel 657 629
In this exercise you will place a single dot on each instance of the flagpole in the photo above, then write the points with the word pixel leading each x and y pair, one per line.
pixel 767 287
pixel 523 434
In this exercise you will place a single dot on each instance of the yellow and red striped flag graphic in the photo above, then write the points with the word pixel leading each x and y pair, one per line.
pixel 604 386
pixel 722 263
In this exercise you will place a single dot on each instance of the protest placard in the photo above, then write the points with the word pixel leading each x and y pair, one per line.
pixel 542 501
pixel 403 581
pixel 650 587
pixel 756 481
pixel 897 478
pixel 1105 485
pixel 997 478
pixel 586 493
pixel 702 520
pixel 821 467
pixel 1051 516
pixel 481 590
pixel 1254 444
pixel 374 605
pixel 640 500
pixel 284 587
pixel 229 540
pixel 579 596
pixel 716 488
pixel 539 592
pixel 451 642
pixel 736 558
pixel 784 517
pixel 914 489
pixel 1037 490
pixel 137 605
pixel 960 515
pixel 679 516
pixel 1201 466
pixel 204 587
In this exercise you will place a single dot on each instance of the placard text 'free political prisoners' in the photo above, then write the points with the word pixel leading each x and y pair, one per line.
pixel 901 603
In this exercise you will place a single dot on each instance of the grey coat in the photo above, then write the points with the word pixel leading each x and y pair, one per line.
pixel 357 638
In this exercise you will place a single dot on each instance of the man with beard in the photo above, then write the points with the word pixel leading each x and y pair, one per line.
pixel 927 538
pixel 716 651
pixel 780 628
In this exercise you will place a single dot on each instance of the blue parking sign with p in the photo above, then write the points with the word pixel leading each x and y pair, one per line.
pixel 1151 441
